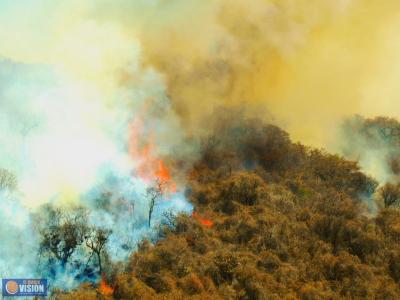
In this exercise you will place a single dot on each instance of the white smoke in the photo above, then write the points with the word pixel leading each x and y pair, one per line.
pixel 64 133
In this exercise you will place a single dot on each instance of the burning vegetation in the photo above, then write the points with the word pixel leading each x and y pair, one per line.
pixel 273 220
pixel 118 182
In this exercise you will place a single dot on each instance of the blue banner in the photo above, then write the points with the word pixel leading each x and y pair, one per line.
pixel 24 287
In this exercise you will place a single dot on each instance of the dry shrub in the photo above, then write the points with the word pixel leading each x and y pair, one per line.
pixel 394 265
pixel 128 287
pixel 257 285
pixel 191 284
pixel 316 291
pixel 244 187
pixel 269 262
pixel 84 292
pixel 388 221
pixel 159 283
pixel 390 194
pixel 288 223
pixel 226 264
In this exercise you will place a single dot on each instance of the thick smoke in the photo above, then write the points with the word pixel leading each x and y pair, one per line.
pixel 91 91
pixel 374 143
pixel 309 63
pixel 70 137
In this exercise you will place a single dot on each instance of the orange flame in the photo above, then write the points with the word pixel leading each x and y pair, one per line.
pixel 201 220
pixel 104 288
pixel 150 167
pixel 164 175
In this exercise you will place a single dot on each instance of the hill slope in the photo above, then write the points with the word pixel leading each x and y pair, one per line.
pixel 272 220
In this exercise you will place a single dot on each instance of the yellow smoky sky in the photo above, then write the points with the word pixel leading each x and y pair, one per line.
pixel 308 63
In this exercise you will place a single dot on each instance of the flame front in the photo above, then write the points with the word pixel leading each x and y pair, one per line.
pixel 202 221
pixel 150 167
pixel 104 288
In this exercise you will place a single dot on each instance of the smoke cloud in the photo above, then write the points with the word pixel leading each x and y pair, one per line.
pixel 75 118
pixel 90 91
pixel 308 63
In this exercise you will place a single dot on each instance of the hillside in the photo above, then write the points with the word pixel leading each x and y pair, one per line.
pixel 272 220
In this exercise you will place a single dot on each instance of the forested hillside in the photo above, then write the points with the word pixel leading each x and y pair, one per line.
pixel 272 220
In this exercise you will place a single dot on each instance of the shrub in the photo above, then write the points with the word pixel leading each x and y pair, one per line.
pixel 394 266
pixel 269 262
pixel 288 223
pixel 158 282
pixel 390 194
pixel 246 188
pixel 128 287
pixel 191 284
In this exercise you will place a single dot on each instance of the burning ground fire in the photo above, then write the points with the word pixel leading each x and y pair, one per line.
pixel 151 167
pixel 101 163
pixel 97 106
pixel 104 288
pixel 201 220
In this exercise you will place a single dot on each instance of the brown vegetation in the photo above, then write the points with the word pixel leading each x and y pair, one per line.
pixel 288 223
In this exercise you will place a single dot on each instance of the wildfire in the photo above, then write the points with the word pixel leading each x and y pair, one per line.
pixel 150 166
pixel 104 287
pixel 201 220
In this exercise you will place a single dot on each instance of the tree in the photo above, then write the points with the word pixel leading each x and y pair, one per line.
pixel 7 180
pixel 390 194
pixel 154 194
pixel 63 232
pixel 95 240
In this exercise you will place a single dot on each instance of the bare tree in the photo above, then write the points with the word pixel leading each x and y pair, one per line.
pixel 95 240
pixel 154 194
